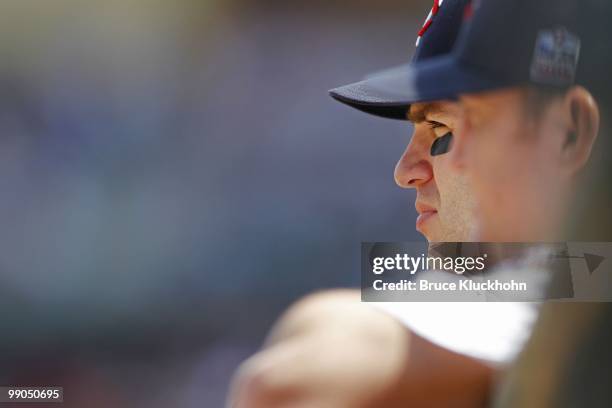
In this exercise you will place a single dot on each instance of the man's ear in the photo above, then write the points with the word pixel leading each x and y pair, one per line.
pixel 582 115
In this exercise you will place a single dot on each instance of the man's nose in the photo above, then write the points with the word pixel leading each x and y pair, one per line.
pixel 414 167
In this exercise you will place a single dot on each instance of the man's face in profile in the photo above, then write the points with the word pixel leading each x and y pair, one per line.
pixel 443 199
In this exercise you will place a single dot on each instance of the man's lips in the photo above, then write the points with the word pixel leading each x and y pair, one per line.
pixel 426 212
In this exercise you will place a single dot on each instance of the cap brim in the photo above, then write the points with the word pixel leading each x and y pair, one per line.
pixel 386 94
pixel 390 93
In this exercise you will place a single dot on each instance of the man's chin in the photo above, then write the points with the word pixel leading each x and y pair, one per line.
pixel 430 236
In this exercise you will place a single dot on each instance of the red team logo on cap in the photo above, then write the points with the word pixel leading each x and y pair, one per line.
pixel 428 20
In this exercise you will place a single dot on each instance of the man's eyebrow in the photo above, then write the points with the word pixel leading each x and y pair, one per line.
pixel 420 114
pixel 416 115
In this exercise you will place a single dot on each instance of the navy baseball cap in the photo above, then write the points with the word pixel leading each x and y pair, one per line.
pixel 389 93
pixel 505 43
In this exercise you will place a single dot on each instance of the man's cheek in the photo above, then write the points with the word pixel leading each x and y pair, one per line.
pixel 495 162
pixel 476 150
pixel 442 170
pixel 494 214
pixel 481 166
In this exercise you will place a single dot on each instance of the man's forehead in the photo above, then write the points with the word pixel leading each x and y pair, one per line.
pixel 491 101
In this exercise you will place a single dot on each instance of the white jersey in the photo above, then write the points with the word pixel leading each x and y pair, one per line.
pixel 491 331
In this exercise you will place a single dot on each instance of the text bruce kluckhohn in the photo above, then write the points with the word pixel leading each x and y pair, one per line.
pixel 459 265
pixel 463 285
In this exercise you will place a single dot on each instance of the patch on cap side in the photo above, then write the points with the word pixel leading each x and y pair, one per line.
pixel 555 57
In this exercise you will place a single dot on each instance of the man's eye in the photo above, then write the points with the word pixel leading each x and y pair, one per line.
pixel 434 125
pixel 441 145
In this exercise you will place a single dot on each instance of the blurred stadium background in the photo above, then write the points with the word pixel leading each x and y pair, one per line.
pixel 173 174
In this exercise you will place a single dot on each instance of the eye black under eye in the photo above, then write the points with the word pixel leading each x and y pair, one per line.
pixel 441 145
